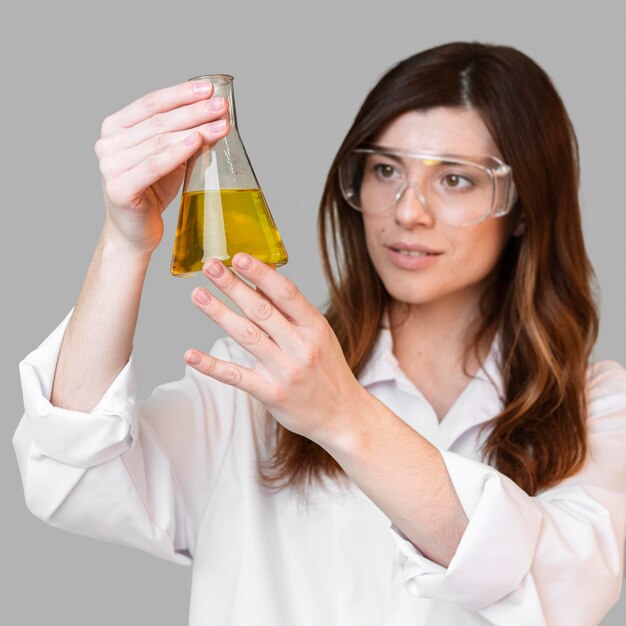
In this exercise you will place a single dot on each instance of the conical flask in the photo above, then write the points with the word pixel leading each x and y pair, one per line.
pixel 222 209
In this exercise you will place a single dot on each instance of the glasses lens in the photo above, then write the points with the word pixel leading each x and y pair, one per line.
pixel 350 174
pixel 459 193
pixel 456 193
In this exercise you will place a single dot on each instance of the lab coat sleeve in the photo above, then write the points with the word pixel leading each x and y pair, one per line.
pixel 555 559
pixel 135 473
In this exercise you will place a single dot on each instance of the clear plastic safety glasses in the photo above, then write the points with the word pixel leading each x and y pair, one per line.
pixel 456 190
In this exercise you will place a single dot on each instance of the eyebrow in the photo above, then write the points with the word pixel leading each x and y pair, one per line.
pixel 389 155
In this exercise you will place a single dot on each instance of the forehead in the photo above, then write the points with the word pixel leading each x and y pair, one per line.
pixel 443 129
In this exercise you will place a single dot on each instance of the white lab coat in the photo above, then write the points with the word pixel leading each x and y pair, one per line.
pixel 175 475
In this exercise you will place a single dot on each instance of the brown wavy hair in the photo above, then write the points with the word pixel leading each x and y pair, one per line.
pixel 542 297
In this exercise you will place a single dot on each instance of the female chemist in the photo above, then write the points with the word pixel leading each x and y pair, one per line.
pixel 435 449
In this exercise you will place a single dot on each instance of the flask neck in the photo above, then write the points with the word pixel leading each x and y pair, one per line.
pixel 223 86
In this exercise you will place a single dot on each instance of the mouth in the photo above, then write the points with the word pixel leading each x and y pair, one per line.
pixel 411 256
pixel 414 253
pixel 412 250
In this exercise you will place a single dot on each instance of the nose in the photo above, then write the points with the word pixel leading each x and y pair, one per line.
pixel 411 208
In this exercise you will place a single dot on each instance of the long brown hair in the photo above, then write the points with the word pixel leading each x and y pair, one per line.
pixel 542 298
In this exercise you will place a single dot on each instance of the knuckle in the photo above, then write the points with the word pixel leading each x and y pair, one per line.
pixel 105 165
pixel 262 310
pixel 249 335
pixel 99 148
pixel 208 366
pixel 159 142
pixel 198 113
pixel 228 280
pixel 310 355
pixel 153 164
pixel 232 376
pixel 292 377
pixel 280 394
pixel 107 126
pixel 321 332
pixel 157 122
pixel 150 102
pixel 289 291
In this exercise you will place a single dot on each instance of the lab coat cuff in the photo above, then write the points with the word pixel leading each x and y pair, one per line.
pixel 496 550
pixel 74 437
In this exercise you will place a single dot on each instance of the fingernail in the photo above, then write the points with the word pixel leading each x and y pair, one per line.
pixel 192 357
pixel 202 296
pixel 218 125
pixel 244 261
pixel 215 269
pixel 203 87
pixel 216 103
pixel 191 139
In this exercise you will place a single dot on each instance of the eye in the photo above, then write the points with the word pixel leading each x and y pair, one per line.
pixel 385 170
pixel 456 181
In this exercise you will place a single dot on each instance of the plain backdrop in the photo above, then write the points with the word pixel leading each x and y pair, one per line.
pixel 301 72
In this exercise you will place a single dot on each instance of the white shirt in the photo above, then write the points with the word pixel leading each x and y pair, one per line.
pixel 175 475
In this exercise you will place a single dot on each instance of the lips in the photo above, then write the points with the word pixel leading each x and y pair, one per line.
pixel 412 249
pixel 411 257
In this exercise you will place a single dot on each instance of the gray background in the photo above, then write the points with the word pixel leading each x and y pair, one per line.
pixel 301 73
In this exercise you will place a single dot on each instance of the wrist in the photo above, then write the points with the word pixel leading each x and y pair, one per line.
pixel 114 246
pixel 351 430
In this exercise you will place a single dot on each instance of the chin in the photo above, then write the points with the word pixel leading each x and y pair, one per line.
pixel 413 291
pixel 421 289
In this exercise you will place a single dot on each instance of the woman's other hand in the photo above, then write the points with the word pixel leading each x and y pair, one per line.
pixel 301 374
pixel 142 153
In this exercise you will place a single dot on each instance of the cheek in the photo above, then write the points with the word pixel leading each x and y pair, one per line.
pixel 476 255
pixel 374 235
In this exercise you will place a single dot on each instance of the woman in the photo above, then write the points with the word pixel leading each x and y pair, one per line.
pixel 436 449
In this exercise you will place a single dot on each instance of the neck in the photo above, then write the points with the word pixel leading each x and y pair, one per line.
pixel 436 332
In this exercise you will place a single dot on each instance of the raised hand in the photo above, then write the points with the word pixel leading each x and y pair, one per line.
pixel 301 374
pixel 142 153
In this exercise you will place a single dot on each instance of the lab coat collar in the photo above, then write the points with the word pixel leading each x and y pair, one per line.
pixel 485 391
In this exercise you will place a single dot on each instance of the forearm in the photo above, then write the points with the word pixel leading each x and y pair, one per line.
pixel 99 337
pixel 403 474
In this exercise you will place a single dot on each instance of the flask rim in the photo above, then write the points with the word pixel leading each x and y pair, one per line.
pixel 216 79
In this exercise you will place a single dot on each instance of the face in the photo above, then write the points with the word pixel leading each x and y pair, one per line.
pixel 465 256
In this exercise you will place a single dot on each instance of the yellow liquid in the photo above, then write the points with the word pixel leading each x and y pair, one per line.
pixel 220 223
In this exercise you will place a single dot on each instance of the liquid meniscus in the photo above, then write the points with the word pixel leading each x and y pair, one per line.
pixel 220 223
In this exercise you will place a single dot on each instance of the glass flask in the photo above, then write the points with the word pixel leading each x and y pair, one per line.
pixel 222 209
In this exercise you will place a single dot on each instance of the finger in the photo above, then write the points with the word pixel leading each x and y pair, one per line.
pixel 260 291
pixel 246 333
pixel 181 119
pixel 255 307
pixel 232 374
pixel 279 289
pixel 157 102
pixel 139 178
pixel 126 159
